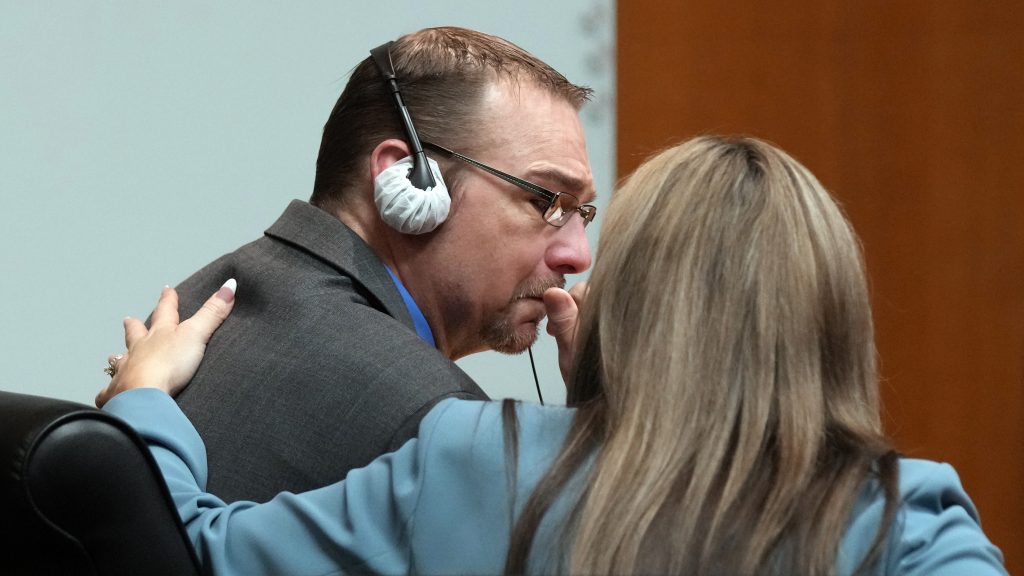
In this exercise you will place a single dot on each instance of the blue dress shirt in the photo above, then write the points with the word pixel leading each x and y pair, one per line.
pixel 419 321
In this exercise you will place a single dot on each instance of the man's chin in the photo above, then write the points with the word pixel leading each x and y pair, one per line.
pixel 510 337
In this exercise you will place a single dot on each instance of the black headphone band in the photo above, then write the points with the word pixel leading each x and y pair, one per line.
pixel 419 175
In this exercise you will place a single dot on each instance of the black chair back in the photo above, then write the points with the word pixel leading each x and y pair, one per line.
pixel 81 494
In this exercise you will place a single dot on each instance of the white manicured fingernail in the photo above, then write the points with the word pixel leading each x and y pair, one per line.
pixel 227 291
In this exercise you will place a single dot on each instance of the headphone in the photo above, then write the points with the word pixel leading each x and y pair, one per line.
pixel 410 194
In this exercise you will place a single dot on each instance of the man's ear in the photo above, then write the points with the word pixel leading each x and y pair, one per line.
pixel 385 154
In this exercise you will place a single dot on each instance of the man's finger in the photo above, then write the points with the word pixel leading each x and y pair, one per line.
pixel 214 311
pixel 562 312
pixel 579 293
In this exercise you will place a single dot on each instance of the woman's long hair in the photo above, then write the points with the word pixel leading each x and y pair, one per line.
pixel 725 379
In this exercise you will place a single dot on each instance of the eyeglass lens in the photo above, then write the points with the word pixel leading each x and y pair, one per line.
pixel 562 207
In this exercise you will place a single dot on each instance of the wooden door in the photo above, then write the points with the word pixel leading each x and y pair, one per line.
pixel 912 114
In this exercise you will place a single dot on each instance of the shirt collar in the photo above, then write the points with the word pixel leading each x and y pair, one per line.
pixel 419 321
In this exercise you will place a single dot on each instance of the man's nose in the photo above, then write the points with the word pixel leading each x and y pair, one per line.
pixel 569 252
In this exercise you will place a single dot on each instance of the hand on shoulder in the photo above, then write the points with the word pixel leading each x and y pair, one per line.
pixel 166 355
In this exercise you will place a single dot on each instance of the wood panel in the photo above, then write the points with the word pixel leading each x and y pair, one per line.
pixel 911 113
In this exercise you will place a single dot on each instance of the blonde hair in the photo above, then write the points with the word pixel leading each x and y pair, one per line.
pixel 725 375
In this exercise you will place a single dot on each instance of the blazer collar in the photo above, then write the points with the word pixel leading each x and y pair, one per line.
pixel 327 238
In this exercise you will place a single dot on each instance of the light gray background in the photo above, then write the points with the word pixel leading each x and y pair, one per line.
pixel 140 140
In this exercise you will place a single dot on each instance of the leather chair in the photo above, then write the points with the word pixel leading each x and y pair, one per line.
pixel 81 494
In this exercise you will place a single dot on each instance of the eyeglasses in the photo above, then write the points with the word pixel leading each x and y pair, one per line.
pixel 559 206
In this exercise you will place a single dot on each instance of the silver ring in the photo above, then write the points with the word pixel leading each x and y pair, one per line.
pixel 112 361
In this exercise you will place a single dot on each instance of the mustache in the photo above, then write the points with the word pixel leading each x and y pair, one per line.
pixel 535 287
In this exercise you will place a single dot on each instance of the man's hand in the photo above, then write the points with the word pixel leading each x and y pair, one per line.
pixel 167 355
pixel 563 310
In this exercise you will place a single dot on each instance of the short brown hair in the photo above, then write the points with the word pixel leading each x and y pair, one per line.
pixel 443 74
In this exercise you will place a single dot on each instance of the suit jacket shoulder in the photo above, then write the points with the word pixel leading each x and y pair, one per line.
pixel 317 370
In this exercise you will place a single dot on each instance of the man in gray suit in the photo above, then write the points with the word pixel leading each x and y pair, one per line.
pixel 348 317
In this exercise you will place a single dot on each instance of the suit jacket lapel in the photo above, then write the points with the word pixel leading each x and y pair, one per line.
pixel 327 238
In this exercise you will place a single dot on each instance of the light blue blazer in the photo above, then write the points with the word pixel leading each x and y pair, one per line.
pixel 441 504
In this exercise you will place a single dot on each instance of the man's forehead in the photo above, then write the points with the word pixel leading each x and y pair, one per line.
pixel 533 134
pixel 509 107
pixel 563 179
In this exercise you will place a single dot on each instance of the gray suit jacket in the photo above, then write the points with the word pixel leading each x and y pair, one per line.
pixel 318 369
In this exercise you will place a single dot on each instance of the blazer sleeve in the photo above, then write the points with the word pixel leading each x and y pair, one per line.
pixel 356 525
pixel 939 533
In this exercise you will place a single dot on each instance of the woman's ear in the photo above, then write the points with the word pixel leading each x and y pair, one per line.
pixel 385 154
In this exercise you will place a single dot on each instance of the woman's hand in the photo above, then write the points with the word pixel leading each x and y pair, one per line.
pixel 167 355
pixel 563 309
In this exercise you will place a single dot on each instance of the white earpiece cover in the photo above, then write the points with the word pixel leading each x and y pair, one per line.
pixel 405 207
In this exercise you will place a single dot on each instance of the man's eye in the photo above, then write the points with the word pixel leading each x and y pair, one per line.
pixel 540 204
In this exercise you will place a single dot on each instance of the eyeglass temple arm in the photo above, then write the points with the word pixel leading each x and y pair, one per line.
pixel 419 175
pixel 545 194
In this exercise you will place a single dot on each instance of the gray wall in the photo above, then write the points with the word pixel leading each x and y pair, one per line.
pixel 139 140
